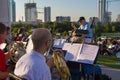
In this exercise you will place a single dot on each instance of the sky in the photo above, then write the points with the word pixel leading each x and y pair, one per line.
pixel 73 8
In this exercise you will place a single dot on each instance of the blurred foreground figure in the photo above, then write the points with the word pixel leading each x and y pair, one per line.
pixel 33 66
pixel 3 56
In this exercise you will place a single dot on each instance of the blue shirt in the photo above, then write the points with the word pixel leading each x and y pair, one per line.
pixel 86 26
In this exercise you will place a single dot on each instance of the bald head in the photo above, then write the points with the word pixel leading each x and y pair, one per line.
pixel 39 37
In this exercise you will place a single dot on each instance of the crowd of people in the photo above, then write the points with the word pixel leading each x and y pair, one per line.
pixel 108 46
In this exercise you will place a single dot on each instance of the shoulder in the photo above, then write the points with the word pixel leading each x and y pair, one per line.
pixel 39 67
pixel 33 60
pixel 87 23
pixel 31 65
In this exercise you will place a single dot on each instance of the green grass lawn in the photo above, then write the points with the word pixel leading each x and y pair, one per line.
pixel 111 61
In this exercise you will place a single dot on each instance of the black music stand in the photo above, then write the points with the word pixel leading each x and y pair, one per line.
pixel 83 53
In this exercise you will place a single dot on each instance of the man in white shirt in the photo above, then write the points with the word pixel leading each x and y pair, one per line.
pixel 33 66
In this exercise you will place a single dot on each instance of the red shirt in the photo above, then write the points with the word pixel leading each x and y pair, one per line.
pixel 2 62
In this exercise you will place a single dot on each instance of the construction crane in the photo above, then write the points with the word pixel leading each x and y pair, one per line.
pixel 37 12
pixel 109 1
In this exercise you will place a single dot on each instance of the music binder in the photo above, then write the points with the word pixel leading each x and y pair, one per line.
pixel 81 53
pixel 79 32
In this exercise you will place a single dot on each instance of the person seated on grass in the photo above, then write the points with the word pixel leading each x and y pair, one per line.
pixel 110 48
pixel 106 47
pixel 113 48
pixel 109 43
pixel 103 47
pixel 100 44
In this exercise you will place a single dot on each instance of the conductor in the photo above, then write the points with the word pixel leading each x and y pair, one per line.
pixel 83 26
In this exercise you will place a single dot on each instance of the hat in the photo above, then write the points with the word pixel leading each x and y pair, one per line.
pixel 81 18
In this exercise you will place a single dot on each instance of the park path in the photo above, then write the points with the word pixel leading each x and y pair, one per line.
pixel 113 73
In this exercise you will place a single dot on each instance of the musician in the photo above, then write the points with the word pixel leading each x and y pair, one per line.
pixel 85 68
pixel 73 66
pixel 8 39
pixel 83 26
pixel 33 66
pixel 3 56
pixel 21 35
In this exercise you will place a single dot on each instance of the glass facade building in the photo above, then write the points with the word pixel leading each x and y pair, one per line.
pixel 12 7
pixel 47 14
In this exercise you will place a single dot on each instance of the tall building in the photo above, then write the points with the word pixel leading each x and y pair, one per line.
pixel 47 14
pixel 108 17
pixel 12 7
pixel 5 12
pixel 118 18
pixel 30 12
pixel 102 11
pixel 63 18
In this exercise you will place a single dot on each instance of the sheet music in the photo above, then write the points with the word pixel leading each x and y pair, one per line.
pixel 58 43
pixel 88 54
pixel 72 52
pixel 83 53
pixel 66 46
pixel 62 42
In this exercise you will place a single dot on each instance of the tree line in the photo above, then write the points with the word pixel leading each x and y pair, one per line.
pixel 64 27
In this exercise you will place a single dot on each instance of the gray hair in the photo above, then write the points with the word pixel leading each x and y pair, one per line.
pixel 39 36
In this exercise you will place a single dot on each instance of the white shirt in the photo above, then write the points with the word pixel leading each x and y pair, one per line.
pixel 33 67
pixel 86 26
pixel 83 27
pixel 30 45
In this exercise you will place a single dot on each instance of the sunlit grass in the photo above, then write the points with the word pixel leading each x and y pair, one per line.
pixel 111 61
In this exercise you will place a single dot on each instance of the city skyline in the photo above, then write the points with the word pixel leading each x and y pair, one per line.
pixel 75 9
